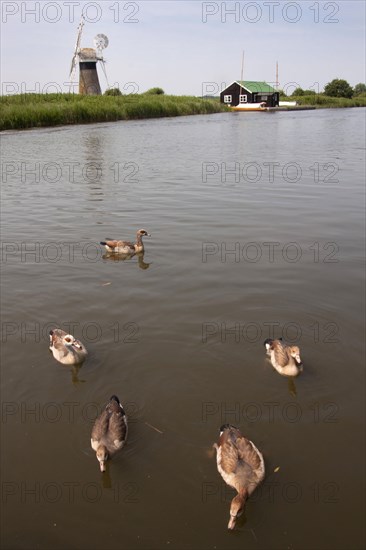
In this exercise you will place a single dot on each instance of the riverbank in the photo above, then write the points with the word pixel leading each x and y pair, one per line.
pixel 41 110
pixel 321 101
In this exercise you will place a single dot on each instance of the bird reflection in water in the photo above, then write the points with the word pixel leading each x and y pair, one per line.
pixel 292 387
pixel 74 370
pixel 75 375
pixel 106 478
pixel 106 481
pixel 112 256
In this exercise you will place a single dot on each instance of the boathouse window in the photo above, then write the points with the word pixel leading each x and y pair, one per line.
pixel 243 99
pixel 228 98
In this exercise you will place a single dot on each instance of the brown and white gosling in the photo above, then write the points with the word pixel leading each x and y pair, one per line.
pixel 65 348
pixel 126 247
pixel 285 359
pixel 109 432
pixel 241 466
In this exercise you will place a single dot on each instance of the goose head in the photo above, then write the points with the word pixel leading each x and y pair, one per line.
pixel 295 353
pixel 237 507
pixel 102 456
pixel 143 233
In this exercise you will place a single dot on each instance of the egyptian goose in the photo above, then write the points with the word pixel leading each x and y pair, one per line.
pixel 109 432
pixel 285 359
pixel 241 466
pixel 65 348
pixel 126 247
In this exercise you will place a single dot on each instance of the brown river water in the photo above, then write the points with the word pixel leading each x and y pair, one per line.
pixel 257 224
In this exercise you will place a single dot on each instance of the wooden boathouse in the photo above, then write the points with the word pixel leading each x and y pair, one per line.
pixel 249 91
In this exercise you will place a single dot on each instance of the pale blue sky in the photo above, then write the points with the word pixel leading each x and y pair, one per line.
pixel 171 46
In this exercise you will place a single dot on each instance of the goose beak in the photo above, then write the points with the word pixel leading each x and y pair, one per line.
pixel 231 523
pixel 102 465
pixel 298 359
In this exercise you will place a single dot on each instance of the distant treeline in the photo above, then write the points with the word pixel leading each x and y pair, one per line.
pixel 337 93
pixel 38 110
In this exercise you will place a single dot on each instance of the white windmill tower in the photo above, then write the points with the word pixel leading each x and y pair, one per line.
pixel 88 58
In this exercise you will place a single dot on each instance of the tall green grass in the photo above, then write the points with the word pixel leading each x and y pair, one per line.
pixel 37 110
pixel 323 101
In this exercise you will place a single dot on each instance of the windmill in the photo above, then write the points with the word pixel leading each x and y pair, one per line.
pixel 88 58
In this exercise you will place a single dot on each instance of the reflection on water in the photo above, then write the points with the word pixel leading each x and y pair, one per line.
pixel 106 478
pixel 112 256
pixel 73 369
pixel 148 338
pixel 75 375
pixel 292 387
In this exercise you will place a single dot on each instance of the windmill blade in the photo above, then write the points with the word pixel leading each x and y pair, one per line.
pixel 76 52
pixel 72 78
pixel 77 45
pixel 102 62
pixel 80 30
pixel 73 65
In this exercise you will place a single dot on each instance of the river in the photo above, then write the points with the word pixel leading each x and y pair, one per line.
pixel 257 230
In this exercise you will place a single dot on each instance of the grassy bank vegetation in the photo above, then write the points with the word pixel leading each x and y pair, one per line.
pixel 37 110
pixel 322 101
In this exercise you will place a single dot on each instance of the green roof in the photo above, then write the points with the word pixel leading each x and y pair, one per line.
pixel 255 86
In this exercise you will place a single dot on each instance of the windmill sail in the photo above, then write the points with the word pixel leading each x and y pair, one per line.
pixel 77 45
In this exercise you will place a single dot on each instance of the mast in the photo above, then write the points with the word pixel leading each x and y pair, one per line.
pixel 241 75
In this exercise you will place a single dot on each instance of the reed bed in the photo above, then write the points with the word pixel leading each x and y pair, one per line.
pixel 39 110
pixel 322 101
